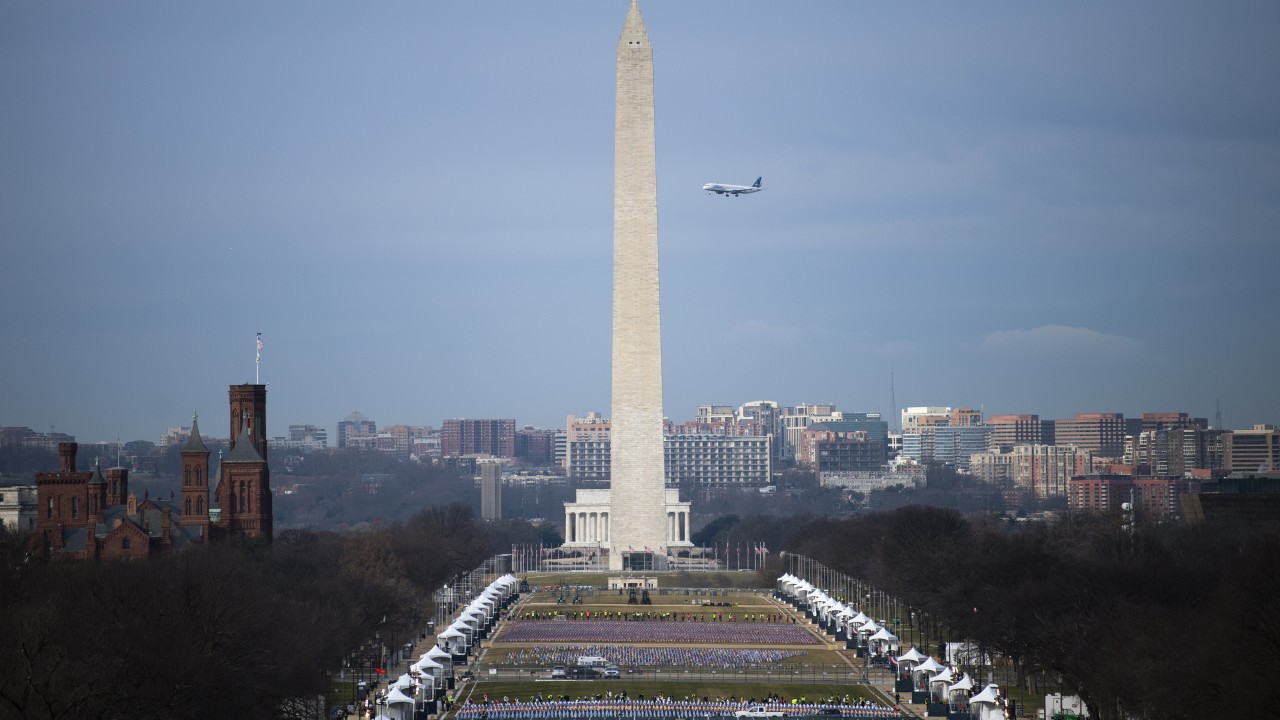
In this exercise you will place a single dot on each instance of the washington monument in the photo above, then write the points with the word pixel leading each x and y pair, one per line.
pixel 637 480
pixel 637 520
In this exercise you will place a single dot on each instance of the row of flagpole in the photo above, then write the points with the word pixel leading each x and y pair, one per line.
pixel 532 557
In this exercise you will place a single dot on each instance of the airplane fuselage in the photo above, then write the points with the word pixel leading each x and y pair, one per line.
pixel 735 190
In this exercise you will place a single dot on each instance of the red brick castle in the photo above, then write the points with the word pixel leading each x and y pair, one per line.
pixel 90 515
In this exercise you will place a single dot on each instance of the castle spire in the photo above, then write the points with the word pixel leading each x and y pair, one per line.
pixel 194 443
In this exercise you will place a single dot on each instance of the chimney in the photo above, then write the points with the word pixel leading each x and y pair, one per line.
pixel 67 456
pixel 165 524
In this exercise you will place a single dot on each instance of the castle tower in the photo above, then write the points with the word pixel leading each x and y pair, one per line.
pixel 63 504
pixel 249 408
pixel 195 483
pixel 245 490
pixel 637 488
pixel 117 485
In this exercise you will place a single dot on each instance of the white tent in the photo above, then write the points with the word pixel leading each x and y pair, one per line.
pixel 454 641
pixel 403 704
pixel 428 668
pixel 883 641
pixel 960 690
pixel 989 694
pixel 884 634
pixel 941 680
pixel 403 682
pixel 426 663
pixel 907 661
pixel 463 627
pixel 912 656
pixel 869 626
pixel 858 620
pixel 984 705
pixel 929 666
pixel 396 697
pixel 436 653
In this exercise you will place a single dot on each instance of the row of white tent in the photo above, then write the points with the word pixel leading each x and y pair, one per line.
pixel 836 616
pixel 948 684
pixel 943 683
pixel 427 677
pixel 475 621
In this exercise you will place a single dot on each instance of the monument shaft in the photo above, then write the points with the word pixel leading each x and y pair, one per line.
pixel 637 510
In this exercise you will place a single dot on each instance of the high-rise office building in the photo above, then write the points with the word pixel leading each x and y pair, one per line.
pixel 1251 451
pixel 353 425
pixel 478 437
pixel 1101 433
pixel 1010 430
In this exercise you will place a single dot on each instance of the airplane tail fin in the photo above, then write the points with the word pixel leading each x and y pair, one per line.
pixel 757 182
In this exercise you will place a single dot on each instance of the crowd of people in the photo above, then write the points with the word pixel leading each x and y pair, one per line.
pixel 608 705
pixel 637 656
pixel 612 631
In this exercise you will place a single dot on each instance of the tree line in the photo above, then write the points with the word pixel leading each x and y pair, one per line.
pixel 1159 621
pixel 230 630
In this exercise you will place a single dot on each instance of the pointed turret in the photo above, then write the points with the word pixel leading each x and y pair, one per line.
pixel 194 443
pixel 97 477
pixel 97 492
pixel 242 450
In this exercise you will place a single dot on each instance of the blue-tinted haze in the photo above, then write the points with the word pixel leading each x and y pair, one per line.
pixel 1035 207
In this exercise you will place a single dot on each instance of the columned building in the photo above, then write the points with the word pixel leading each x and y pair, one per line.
pixel 586 522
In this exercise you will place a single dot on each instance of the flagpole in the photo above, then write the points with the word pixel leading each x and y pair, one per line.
pixel 257 358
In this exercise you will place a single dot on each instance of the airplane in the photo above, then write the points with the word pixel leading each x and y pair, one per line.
pixel 734 190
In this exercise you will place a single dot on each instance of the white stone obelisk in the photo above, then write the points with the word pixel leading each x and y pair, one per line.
pixel 637 513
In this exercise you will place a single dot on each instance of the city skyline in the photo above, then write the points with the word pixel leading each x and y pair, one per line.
pixel 1047 210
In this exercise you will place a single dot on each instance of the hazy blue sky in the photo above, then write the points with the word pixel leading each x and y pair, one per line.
pixel 1033 207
